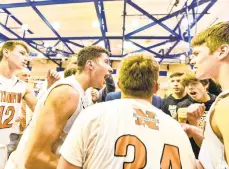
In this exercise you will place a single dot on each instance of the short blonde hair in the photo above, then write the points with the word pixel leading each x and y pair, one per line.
pixel 10 45
pixel 138 74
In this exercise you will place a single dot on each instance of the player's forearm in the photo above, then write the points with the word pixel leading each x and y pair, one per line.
pixel 42 160
pixel 197 135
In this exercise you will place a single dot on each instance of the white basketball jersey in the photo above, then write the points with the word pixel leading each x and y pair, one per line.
pixel 11 94
pixel 127 133
pixel 212 150
pixel 17 157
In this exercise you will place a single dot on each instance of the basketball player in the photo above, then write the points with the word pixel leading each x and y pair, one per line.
pixel 13 56
pixel 129 132
pixel 211 60
pixel 57 110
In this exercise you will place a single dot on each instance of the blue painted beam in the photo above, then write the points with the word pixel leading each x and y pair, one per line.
pixel 123 26
pixel 15 19
pixel 96 42
pixel 66 39
pixel 76 44
pixel 203 12
pixel 191 6
pixel 152 18
pixel 49 25
pixel 3 37
pixel 144 48
pixel 42 3
pixel 186 9
pixel 99 7
pixel 29 42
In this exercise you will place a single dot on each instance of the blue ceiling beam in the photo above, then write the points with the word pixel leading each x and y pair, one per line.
pixel 29 42
pixel 15 19
pixel 3 37
pixel 99 7
pixel 191 6
pixel 212 2
pixel 186 9
pixel 152 46
pixel 166 57
pixel 152 18
pixel 76 44
pixel 48 24
pixel 144 48
pixel 42 3
pixel 96 42
pixel 123 26
pixel 66 39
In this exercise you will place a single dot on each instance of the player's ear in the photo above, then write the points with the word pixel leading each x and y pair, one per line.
pixel 5 52
pixel 90 64
pixel 224 51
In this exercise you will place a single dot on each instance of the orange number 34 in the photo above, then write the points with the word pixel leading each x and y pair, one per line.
pixel 10 110
pixel 170 156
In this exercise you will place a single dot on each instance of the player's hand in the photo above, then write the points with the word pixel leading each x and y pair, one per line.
pixel 195 112
pixel 52 76
pixel 95 95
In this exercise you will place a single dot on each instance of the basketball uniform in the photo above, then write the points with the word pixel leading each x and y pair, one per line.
pixel 212 150
pixel 127 133
pixel 11 94
pixel 16 160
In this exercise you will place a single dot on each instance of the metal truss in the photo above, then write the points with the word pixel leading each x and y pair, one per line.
pixel 175 34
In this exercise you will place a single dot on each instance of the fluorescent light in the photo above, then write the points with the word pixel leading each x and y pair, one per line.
pixel 128 45
pixel 101 44
pixel 55 25
pixel 158 59
pixel 46 45
pixel 134 23
pixel 95 24
pixel 25 27
pixel 182 57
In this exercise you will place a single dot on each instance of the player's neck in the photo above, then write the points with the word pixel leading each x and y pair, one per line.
pixel 222 78
pixel 83 80
pixel 134 97
pixel 5 70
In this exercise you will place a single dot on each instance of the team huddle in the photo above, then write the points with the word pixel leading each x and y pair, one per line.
pixel 129 133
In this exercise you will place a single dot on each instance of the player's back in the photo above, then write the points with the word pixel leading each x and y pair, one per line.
pixel 131 133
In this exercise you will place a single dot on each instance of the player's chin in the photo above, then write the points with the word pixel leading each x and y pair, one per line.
pixel 202 75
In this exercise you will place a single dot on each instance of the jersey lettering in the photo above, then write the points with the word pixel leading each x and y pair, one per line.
pixel 147 118
pixel 10 111
pixel 170 156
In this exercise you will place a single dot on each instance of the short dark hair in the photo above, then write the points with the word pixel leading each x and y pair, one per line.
pixel 89 53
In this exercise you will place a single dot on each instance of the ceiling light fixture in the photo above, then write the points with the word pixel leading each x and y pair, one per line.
pixel 25 27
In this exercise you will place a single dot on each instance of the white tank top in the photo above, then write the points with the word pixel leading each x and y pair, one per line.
pixel 132 131
pixel 11 94
pixel 18 155
pixel 212 150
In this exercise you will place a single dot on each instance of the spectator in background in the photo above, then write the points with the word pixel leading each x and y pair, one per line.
pixel 169 104
pixel 156 100
pixel 198 94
